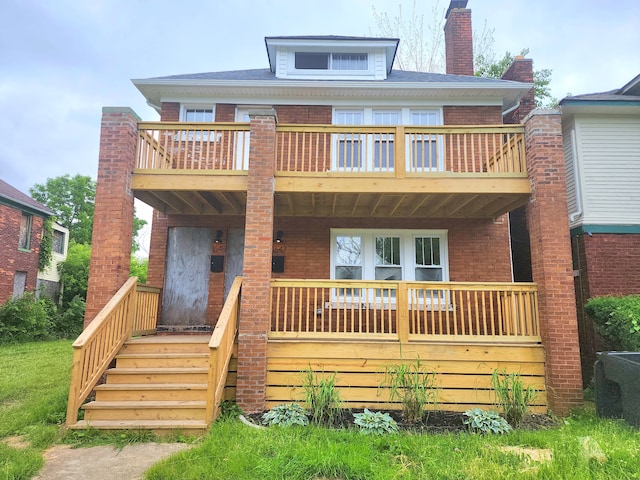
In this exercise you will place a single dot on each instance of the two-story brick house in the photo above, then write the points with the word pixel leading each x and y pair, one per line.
pixel 365 210
pixel 21 221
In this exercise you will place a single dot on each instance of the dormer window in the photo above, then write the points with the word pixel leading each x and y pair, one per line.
pixel 331 61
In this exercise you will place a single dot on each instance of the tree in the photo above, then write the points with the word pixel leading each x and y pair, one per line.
pixel 74 272
pixel 425 52
pixel 72 200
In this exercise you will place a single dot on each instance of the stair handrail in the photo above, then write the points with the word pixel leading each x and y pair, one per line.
pixel 221 349
pixel 98 345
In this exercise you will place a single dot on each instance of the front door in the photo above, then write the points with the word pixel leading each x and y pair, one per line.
pixel 186 284
pixel 235 257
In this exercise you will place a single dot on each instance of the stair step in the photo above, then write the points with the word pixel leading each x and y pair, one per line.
pixel 146 410
pixel 151 391
pixel 158 426
pixel 168 344
pixel 157 375
pixel 150 360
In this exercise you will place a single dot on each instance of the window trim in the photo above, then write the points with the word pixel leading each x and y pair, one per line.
pixel 29 229
pixel 184 107
pixel 407 249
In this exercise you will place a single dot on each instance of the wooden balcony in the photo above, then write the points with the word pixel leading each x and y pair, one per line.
pixel 327 170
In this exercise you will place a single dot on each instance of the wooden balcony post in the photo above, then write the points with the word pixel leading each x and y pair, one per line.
pixel 402 312
pixel 400 159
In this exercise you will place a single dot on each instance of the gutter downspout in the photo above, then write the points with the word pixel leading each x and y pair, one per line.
pixel 509 110
pixel 576 179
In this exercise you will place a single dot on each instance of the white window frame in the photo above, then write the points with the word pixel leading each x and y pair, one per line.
pixel 185 107
pixel 371 116
pixel 407 253
pixel 330 71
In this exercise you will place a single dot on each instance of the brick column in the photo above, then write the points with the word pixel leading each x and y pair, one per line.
pixel 256 287
pixel 113 215
pixel 547 218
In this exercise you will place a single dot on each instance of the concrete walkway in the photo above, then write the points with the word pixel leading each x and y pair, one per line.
pixel 104 462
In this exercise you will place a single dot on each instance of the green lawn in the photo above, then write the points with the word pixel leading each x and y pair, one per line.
pixel 34 384
pixel 33 391
pixel 235 451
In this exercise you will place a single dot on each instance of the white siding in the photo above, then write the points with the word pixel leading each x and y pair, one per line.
pixel 379 65
pixel 609 161
pixel 569 159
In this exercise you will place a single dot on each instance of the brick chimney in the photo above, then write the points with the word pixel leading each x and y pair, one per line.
pixel 458 39
pixel 520 70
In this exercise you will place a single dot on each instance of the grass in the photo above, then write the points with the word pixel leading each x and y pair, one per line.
pixel 34 384
pixel 33 390
pixel 235 451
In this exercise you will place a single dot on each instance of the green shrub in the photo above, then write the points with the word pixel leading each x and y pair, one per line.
pixel 485 421
pixel 512 396
pixel 617 319
pixel 414 388
pixel 286 415
pixel 74 272
pixel 322 398
pixel 70 323
pixel 375 423
pixel 26 318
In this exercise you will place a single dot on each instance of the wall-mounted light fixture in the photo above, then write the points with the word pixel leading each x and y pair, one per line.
pixel 277 257
pixel 217 249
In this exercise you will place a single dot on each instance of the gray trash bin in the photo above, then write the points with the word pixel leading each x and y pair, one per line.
pixel 617 382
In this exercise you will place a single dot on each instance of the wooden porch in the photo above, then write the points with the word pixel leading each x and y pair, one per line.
pixel 460 331
pixel 328 170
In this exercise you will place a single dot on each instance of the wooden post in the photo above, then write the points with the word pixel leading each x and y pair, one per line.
pixel 400 159
pixel 402 312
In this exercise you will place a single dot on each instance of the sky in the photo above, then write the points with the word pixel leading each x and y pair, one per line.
pixel 61 61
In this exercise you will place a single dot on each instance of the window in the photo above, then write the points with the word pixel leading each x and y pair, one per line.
pixel 19 284
pixel 376 151
pixel 24 239
pixel 411 255
pixel 331 61
pixel 198 114
pixel 58 242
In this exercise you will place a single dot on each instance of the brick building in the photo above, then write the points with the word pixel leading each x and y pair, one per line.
pixel 366 210
pixel 21 220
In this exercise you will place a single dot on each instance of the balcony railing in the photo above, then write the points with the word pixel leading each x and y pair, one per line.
pixel 399 151
pixel 405 311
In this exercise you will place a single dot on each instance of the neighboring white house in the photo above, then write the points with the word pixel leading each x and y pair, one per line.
pixel 601 136
pixel 49 278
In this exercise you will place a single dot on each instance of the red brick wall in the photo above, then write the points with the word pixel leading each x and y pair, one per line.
pixel 225 112
pixel 13 260
pixel 612 261
pixel 113 214
pixel 461 115
pixel 520 70
pixel 170 112
pixel 308 114
pixel 458 40
pixel 551 265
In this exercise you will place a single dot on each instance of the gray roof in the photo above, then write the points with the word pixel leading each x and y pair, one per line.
pixel 330 37
pixel 629 93
pixel 12 196
pixel 399 76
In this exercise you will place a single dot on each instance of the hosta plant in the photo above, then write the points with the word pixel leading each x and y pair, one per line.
pixel 485 421
pixel 286 415
pixel 375 423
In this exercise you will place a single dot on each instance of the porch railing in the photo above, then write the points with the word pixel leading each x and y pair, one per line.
pixel 221 348
pixel 133 307
pixel 400 151
pixel 213 147
pixel 395 151
pixel 405 311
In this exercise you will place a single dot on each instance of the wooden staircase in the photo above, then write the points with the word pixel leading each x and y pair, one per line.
pixel 159 383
